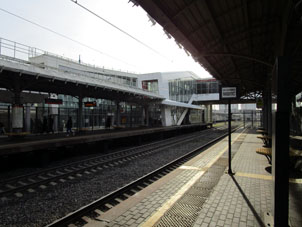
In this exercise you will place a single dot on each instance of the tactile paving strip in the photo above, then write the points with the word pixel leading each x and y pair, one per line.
pixel 185 211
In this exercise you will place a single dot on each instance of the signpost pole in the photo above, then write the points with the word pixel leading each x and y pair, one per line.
pixel 230 134
pixel 229 93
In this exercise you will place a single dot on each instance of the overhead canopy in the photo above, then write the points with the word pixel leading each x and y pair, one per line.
pixel 237 41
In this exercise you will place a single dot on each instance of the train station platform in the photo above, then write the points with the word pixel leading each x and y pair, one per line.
pixel 201 193
pixel 22 143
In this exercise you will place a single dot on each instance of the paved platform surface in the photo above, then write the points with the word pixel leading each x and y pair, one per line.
pixel 200 193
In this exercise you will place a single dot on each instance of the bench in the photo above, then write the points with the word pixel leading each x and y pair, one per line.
pixel 267 152
pixel 266 140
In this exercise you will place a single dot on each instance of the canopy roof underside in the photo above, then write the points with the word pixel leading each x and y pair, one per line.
pixel 237 41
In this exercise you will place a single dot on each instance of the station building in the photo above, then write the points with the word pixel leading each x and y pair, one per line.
pixel 181 95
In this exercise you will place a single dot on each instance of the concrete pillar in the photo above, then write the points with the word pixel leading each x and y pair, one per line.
pixel 166 117
pixel 17 112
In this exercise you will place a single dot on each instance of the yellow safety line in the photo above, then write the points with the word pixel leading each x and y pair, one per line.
pixel 265 177
pixel 252 175
pixel 156 216
pixel 191 168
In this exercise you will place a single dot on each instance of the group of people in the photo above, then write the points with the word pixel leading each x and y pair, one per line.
pixel 47 125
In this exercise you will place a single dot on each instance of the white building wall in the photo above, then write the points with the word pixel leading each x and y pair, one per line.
pixel 58 62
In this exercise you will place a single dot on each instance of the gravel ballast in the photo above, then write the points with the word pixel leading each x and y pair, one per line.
pixel 46 205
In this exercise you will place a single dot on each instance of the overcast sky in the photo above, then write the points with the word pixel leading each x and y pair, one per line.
pixel 119 51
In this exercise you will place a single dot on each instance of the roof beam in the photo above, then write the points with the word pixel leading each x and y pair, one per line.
pixel 282 27
pixel 218 32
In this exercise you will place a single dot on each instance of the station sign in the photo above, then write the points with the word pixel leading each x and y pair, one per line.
pixel 89 104
pixel 228 92
pixel 53 101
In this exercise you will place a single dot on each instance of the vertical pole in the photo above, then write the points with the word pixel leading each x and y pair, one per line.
pixel 27 118
pixel 252 119
pixel 118 113
pixel 80 115
pixel 59 119
pixel 92 118
pixel 131 116
pixel 8 118
pixel 281 142
pixel 230 145
pixel 243 119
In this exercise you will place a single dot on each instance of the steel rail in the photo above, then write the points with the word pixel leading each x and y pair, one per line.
pixel 54 174
pixel 73 216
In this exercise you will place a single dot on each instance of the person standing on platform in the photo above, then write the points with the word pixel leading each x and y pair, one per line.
pixel 2 128
pixel 69 126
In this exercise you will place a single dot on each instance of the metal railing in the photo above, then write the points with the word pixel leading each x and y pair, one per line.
pixel 14 51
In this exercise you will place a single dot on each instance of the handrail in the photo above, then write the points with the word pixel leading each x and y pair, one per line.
pixel 14 51
pixel 34 52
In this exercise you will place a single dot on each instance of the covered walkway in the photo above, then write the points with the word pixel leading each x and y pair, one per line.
pixel 201 193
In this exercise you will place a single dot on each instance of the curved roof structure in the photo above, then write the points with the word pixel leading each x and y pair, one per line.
pixel 237 41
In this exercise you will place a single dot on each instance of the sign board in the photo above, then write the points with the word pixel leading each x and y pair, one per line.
pixel 228 93
pixel 53 101
pixel 90 104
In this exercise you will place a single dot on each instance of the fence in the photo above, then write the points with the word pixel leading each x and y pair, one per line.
pixel 47 119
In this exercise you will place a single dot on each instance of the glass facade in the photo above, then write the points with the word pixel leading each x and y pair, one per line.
pixel 150 85
pixel 207 86
pixel 182 90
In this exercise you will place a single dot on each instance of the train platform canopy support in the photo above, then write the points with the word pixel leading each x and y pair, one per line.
pixel 280 145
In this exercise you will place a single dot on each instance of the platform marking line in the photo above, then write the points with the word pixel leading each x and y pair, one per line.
pixel 161 211
pixel 265 177
pixel 191 168
pixel 256 176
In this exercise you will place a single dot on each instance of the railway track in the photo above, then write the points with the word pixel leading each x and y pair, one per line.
pixel 52 176
pixel 124 192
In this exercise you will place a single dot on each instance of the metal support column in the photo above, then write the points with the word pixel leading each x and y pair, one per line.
pixel 146 108
pixel 252 116
pixel 118 113
pixel 27 118
pixel 269 113
pixel 80 114
pixel 230 137
pixel 130 116
pixel 243 119
pixel 264 110
pixel 281 142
